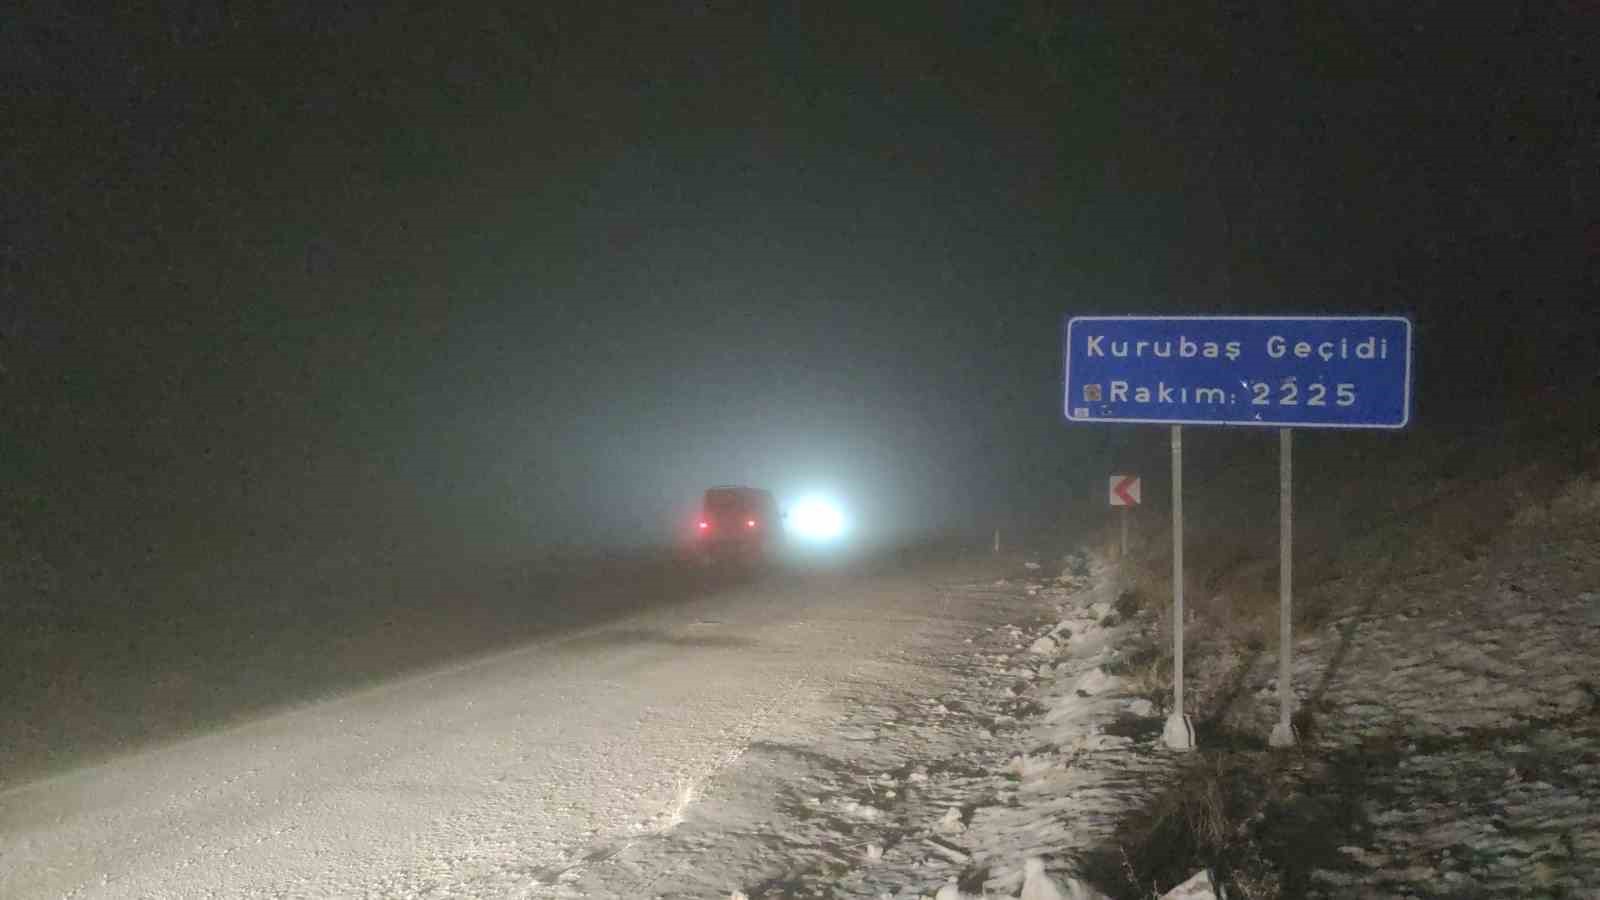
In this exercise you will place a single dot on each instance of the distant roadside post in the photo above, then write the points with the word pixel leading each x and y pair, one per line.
pixel 1281 372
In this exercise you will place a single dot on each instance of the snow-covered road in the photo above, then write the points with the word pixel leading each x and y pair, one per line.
pixel 476 780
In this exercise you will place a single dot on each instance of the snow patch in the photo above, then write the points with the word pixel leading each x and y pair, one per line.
pixel 1096 681
pixel 685 792
pixel 1044 646
pixel 1038 885
pixel 951 823
pixel 1198 887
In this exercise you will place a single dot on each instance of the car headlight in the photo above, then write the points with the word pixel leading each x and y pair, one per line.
pixel 816 519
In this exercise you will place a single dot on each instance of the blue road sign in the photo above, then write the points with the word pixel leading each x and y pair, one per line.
pixel 1278 371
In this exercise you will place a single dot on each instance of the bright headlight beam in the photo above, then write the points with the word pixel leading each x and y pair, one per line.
pixel 816 519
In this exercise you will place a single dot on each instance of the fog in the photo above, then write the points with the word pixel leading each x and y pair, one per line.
pixel 495 285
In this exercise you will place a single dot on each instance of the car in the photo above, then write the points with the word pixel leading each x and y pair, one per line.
pixel 737 524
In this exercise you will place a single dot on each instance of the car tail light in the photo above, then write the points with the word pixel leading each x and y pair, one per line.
pixel 704 526
pixel 749 523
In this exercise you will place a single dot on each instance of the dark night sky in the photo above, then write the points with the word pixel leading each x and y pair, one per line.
pixel 493 279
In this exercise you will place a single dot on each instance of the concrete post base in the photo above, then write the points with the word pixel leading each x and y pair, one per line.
pixel 1178 733
pixel 1283 735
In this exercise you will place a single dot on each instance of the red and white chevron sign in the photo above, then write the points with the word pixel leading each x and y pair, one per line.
pixel 1124 490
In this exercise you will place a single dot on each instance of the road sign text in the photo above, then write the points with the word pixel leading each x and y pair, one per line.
pixel 1330 372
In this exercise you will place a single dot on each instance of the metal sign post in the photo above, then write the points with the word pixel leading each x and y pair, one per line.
pixel 1268 371
pixel 1179 731
pixel 1283 733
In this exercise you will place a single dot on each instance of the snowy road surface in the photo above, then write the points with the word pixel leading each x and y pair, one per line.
pixel 468 781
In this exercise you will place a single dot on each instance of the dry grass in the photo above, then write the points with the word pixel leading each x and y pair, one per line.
pixel 1237 619
pixel 1210 817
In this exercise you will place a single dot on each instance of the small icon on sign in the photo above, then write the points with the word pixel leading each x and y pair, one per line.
pixel 1080 412
pixel 1091 393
